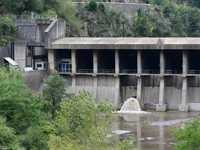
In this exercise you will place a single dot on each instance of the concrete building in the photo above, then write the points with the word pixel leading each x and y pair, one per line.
pixel 163 73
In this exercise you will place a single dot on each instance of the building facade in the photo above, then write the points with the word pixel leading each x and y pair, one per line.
pixel 163 73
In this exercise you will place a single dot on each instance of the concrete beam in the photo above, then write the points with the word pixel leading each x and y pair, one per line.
pixel 95 61
pixel 139 88
pixel 184 103
pixel 73 61
pixel 161 106
pixel 117 92
pixel 162 62
pixel 139 62
pixel 185 62
pixel 117 61
pixel 51 59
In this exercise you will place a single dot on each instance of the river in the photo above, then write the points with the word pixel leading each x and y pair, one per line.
pixel 152 130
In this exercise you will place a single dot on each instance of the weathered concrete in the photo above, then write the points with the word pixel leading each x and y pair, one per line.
pixel 20 49
pixel 161 106
pixel 54 31
pixel 117 61
pixel 51 61
pixel 95 61
pixel 4 52
pixel 184 103
pixel 73 61
pixel 35 79
pixel 126 43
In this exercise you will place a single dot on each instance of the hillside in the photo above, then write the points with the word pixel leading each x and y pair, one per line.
pixel 101 18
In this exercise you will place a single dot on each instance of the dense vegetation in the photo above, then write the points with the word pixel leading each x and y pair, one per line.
pixel 53 119
pixel 163 19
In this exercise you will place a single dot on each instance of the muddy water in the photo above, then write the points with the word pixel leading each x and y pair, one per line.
pixel 152 130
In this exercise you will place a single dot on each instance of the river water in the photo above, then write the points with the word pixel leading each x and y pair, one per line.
pixel 152 130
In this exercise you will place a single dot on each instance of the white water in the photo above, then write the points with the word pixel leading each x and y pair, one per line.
pixel 131 104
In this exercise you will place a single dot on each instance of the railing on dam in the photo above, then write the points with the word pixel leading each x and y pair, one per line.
pixel 194 72
pixel 173 71
pixel 150 71
pixel 85 71
pixel 129 71
pixel 106 70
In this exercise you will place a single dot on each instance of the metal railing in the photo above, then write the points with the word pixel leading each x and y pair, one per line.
pixel 150 71
pixel 85 71
pixel 173 71
pixel 106 70
pixel 194 72
pixel 128 71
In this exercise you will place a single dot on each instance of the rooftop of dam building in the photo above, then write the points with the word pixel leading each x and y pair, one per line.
pixel 126 43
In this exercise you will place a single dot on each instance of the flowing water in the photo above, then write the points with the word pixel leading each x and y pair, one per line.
pixel 131 104
pixel 152 130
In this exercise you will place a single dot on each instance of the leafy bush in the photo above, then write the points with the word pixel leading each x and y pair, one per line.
pixel 188 136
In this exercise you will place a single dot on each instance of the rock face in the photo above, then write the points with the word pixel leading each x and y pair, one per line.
pixel 131 104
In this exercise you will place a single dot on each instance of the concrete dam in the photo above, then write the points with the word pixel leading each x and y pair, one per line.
pixel 163 73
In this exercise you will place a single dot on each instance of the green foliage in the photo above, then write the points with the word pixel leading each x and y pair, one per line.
pixel 68 12
pixel 54 91
pixel 18 105
pixel 188 137
pixel 92 6
pixel 7 136
pixel 84 124
pixel 37 136
pixel 101 7
pixel 142 24
pixel 8 30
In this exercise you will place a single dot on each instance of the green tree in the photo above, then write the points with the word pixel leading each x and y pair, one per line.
pixel 54 91
pixel 82 123
pixel 188 136
pixel 142 24
pixel 8 30
pixel 8 139
pixel 68 12
pixel 18 104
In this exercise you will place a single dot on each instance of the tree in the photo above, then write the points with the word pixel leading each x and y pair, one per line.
pixel 54 91
pixel 82 123
pixel 188 136
pixel 18 104
pixel 8 139
pixel 142 24
pixel 8 30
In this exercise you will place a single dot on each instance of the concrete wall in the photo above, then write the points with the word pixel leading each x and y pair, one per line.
pixel 4 52
pixel 35 79
pixel 20 49
pixel 54 31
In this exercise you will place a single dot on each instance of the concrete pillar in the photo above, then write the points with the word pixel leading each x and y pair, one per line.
pixel 161 106
pixel 94 92
pixel 95 61
pixel 74 84
pixel 117 92
pixel 51 59
pixel 139 88
pixel 184 103
pixel 162 62
pixel 139 62
pixel 73 61
pixel 185 62
pixel 117 61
